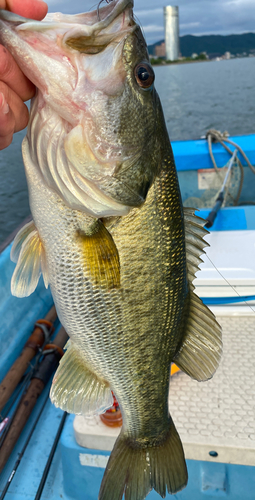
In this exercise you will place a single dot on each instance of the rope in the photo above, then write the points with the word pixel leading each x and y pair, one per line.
pixel 217 136
pixel 220 137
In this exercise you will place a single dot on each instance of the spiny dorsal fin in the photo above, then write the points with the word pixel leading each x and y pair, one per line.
pixel 28 252
pixel 195 243
pixel 200 353
pixel 76 389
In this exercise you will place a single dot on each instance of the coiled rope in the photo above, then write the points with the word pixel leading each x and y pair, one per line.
pixel 223 138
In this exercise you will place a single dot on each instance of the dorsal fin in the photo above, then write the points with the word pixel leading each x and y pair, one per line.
pixel 195 243
pixel 28 252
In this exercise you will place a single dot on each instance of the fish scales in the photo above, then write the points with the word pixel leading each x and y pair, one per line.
pixel 110 236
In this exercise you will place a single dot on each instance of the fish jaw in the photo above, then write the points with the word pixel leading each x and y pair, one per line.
pixel 77 65
pixel 93 129
pixel 67 46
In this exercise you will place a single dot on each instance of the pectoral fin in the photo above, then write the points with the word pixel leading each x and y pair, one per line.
pixel 28 252
pixel 101 257
pixel 19 240
pixel 200 353
pixel 76 389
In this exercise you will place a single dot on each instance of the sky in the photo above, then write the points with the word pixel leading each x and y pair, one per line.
pixel 198 17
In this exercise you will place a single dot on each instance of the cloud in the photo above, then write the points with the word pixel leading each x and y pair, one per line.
pixel 152 28
pixel 148 12
pixel 185 26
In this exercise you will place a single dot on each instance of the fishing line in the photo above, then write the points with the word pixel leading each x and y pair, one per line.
pixel 98 7
pixel 231 286
pixel 137 20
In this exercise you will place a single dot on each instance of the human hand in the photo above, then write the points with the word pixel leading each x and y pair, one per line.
pixel 15 88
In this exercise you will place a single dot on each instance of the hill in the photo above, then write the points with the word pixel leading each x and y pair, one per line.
pixel 212 44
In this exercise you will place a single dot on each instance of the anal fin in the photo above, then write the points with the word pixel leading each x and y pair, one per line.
pixel 76 389
pixel 200 353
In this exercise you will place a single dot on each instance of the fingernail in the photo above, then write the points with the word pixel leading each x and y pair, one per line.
pixel 3 104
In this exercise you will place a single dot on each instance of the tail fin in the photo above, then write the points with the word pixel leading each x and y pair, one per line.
pixel 136 470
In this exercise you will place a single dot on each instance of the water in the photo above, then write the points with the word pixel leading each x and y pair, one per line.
pixel 195 97
pixel 14 206
pixel 199 96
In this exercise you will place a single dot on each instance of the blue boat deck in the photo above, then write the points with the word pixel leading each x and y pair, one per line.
pixel 193 155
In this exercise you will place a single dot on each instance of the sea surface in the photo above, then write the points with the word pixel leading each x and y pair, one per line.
pixel 195 98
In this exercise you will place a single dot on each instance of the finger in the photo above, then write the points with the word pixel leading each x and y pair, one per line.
pixel 7 123
pixel 11 74
pixel 13 115
pixel 34 9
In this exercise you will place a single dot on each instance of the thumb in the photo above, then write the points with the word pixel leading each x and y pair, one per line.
pixel 34 9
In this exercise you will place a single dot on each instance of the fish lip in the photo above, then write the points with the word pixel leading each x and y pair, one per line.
pixel 113 9
pixel 119 6
pixel 103 17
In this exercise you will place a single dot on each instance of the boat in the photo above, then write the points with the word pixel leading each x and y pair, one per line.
pixel 61 456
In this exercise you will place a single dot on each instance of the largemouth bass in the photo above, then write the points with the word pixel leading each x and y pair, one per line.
pixel 110 236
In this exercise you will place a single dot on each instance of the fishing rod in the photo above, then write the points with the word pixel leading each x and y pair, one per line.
pixel 20 455
pixel 220 198
pixel 43 330
pixel 50 458
pixel 14 397
pixel 51 356
pixel 7 416
pixel 20 393
pixel 40 336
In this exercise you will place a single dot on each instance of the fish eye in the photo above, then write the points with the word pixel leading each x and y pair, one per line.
pixel 144 75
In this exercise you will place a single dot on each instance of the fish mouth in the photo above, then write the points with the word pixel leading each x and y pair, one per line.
pixel 88 33
pixel 101 27
pixel 97 19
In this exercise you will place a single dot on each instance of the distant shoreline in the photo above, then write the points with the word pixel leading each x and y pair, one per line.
pixel 176 63
pixel 237 45
pixel 191 61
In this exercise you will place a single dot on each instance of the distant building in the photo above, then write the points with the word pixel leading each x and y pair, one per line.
pixel 171 15
pixel 160 50
pixel 194 55
pixel 214 55
pixel 227 55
